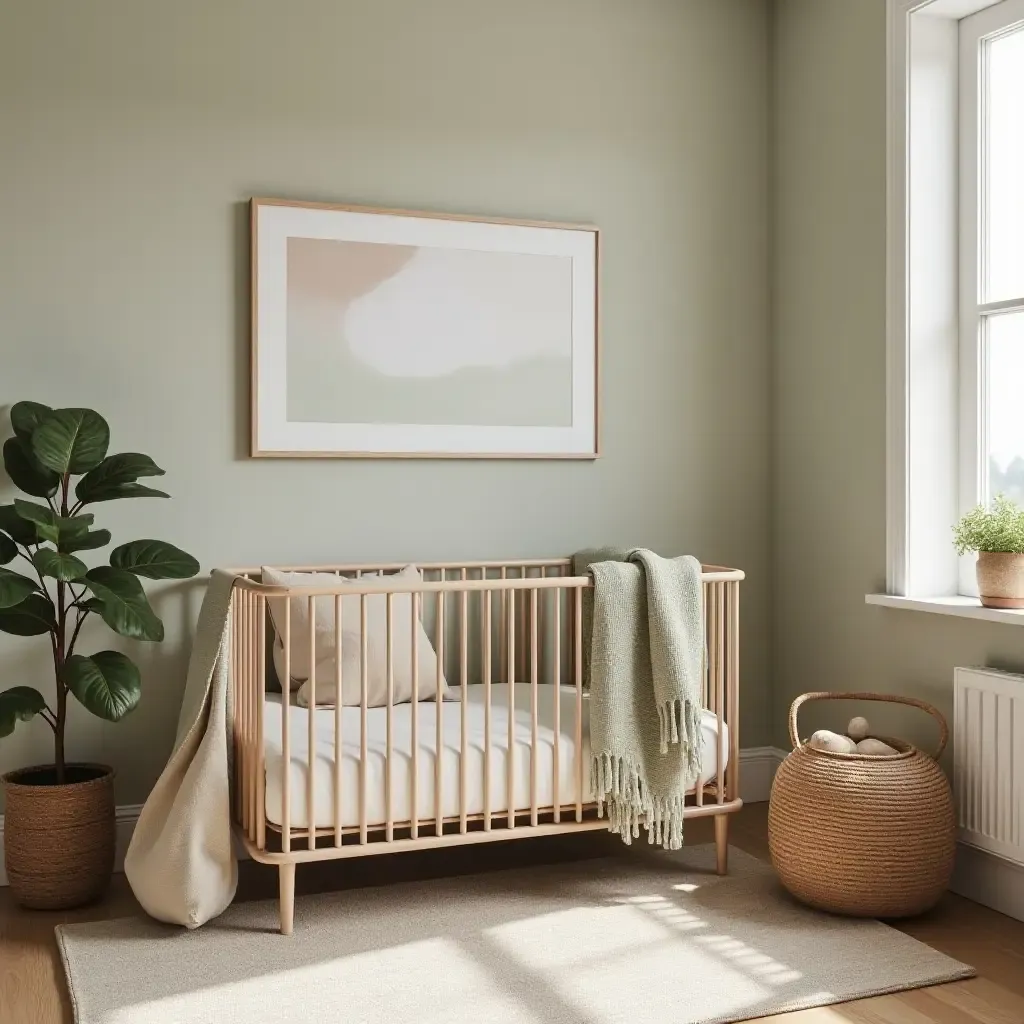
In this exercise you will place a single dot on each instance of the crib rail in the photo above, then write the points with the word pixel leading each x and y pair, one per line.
pixel 517 625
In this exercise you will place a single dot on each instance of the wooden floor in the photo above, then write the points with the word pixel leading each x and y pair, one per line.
pixel 32 981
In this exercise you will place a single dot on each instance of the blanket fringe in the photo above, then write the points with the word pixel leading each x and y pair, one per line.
pixel 623 795
pixel 679 721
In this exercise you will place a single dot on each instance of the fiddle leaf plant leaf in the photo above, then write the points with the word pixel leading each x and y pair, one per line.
pixel 26 416
pixel 108 683
pixel 14 588
pixel 154 559
pixel 51 527
pixel 20 530
pixel 25 471
pixel 85 541
pixel 125 608
pixel 71 529
pixel 8 549
pixel 135 491
pixel 32 617
pixel 19 704
pixel 116 476
pixel 62 567
pixel 42 518
pixel 71 440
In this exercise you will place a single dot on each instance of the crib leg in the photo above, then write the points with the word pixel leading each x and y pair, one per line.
pixel 722 844
pixel 286 873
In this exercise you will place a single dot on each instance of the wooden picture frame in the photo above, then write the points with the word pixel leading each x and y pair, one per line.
pixel 385 333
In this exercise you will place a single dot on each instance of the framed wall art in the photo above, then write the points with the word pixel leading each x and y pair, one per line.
pixel 382 333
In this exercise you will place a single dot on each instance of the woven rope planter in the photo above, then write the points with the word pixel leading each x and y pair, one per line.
pixel 859 835
pixel 59 840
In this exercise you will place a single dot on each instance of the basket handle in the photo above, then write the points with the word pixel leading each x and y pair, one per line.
pixel 913 702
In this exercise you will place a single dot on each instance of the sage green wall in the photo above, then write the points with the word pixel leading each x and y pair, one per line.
pixel 829 384
pixel 132 135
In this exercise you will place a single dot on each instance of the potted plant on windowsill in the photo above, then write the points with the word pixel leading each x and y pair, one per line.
pixel 59 820
pixel 997 534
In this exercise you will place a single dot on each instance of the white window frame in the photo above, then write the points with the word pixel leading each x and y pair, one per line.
pixel 932 376
pixel 976 33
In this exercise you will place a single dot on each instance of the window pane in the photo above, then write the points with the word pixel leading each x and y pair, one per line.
pixel 1006 406
pixel 1005 220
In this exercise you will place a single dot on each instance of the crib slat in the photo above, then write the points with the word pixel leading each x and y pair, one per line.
pixel 578 660
pixel 286 750
pixel 236 690
pixel 255 714
pixel 439 722
pixel 464 638
pixel 733 789
pixel 363 697
pixel 414 727
pixel 521 626
pixel 487 710
pixel 705 678
pixel 503 628
pixel 241 712
pixel 339 745
pixel 707 664
pixel 483 623
pixel 556 671
pixel 542 628
pixel 389 828
pixel 705 675
pixel 711 611
pixel 261 775
pixel 533 708
pixel 311 718
pixel 510 804
pixel 720 690
pixel 250 722
pixel 571 647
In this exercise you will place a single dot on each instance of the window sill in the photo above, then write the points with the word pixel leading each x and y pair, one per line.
pixel 962 607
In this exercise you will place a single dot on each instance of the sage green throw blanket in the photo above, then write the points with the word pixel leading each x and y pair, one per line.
pixel 645 631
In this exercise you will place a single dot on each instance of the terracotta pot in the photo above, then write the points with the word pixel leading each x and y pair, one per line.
pixel 1001 579
pixel 59 840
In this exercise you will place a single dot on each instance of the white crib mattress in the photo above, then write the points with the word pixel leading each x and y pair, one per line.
pixel 451 724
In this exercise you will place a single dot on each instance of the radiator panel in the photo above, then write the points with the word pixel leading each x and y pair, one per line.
pixel 988 761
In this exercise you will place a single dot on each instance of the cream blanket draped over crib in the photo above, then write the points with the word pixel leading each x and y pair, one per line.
pixel 181 863
pixel 645 631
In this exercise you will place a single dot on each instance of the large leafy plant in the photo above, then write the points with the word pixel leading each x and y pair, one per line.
pixel 49 448
pixel 999 528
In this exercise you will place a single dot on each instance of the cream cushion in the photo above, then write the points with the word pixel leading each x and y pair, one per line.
pixel 376 642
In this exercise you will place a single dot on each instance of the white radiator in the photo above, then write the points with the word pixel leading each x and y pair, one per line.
pixel 988 760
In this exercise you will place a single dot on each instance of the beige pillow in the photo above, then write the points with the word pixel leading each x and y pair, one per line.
pixel 376 642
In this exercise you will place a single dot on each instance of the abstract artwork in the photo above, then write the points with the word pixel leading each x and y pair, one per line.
pixel 392 333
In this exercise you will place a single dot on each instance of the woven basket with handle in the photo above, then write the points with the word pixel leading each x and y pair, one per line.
pixel 868 836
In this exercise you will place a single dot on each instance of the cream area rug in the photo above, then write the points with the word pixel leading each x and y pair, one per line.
pixel 649 936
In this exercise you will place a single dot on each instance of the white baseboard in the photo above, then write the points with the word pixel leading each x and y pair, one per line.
pixel 757 772
pixel 757 769
pixel 990 880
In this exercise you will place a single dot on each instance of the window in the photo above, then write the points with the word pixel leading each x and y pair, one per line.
pixel 955 286
pixel 991 86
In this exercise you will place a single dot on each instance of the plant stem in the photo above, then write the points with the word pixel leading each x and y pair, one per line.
pixel 59 656
pixel 62 695
pixel 74 636
pixel 42 583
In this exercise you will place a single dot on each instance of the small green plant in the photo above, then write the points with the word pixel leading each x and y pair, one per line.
pixel 999 528
pixel 48 449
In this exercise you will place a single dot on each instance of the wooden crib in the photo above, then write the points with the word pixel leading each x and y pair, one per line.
pixel 505 754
